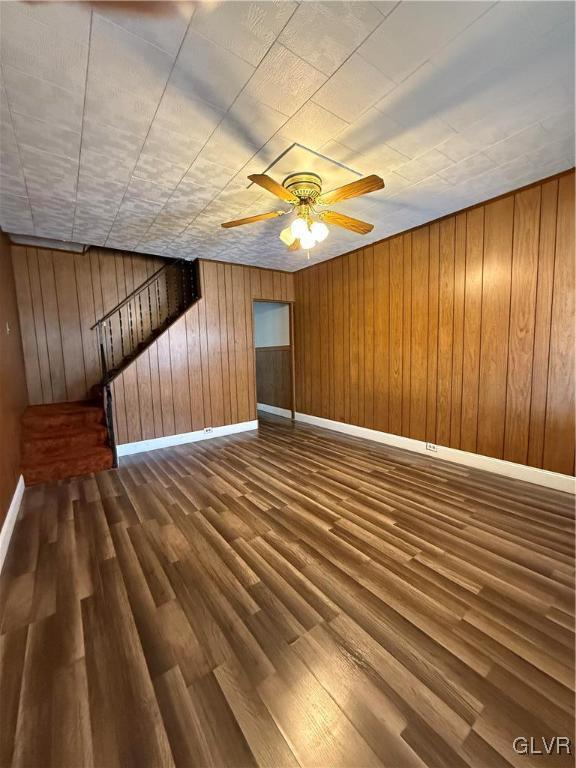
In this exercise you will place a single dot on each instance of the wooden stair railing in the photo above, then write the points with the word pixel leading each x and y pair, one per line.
pixel 138 320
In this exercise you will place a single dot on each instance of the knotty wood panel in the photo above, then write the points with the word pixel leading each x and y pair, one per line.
pixel 274 376
pixel 473 343
pixel 13 398
pixel 201 373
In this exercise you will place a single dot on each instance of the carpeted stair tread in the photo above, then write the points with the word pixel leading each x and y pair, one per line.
pixel 37 431
pixel 44 418
pixel 80 406
pixel 96 459
pixel 45 444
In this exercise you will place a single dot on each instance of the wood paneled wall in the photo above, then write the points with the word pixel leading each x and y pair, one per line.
pixel 201 373
pixel 13 398
pixel 274 376
pixel 60 297
pixel 460 333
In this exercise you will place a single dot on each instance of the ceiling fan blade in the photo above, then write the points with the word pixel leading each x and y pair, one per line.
pixel 354 225
pixel 252 219
pixel 272 186
pixel 295 245
pixel 354 189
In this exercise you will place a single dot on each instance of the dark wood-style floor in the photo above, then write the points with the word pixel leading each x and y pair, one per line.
pixel 293 597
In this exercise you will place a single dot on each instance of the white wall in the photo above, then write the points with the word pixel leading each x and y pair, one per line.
pixel 271 324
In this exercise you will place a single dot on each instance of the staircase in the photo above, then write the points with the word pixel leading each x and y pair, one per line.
pixel 64 440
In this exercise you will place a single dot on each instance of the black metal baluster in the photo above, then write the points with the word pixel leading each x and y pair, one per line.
pixel 101 346
pixel 183 287
pixel 158 301
pixel 131 326
pixel 168 282
pixel 141 317
pixel 151 328
pixel 111 362
pixel 121 333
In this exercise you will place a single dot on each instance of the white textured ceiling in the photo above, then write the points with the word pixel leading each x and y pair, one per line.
pixel 138 132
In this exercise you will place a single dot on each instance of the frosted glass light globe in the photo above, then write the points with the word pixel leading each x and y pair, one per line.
pixel 319 230
pixel 299 226
pixel 307 240
pixel 287 237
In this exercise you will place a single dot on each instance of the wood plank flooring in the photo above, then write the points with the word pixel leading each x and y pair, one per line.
pixel 283 598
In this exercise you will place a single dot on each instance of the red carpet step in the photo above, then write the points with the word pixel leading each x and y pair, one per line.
pixel 64 440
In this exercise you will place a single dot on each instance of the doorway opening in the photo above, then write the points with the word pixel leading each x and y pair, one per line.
pixel 274 358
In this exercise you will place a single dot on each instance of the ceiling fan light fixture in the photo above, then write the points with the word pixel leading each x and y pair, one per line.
pixel 307 240
pixel 303 191
pixel 319 230
pixel 299 227
pixel 287 236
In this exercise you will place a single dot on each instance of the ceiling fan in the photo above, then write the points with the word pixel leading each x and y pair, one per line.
pixel 304 193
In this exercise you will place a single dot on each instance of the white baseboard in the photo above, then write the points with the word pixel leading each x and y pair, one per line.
pixel 10 520
pixel 544 477
pixel 126 449
pixel 275 410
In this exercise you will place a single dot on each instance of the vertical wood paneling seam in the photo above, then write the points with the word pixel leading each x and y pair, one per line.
pixel 225 389
pixel 59 322
pixel 373 364
pixel 389 363
pixel 535 320
pixel 463 325
pixel 209 389
pixel 509 331
pixel 427 335
pixel 41 378
pixel 80 323
pixel 534 334
pixel 29 287
pixel 233 321
pixel 204 421
pixel 410 367
pixel 45 330
pixel 449 432
pixel 550 324
pixel 481 335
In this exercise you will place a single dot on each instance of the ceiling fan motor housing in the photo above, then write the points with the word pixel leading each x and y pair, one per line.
pixel 306 186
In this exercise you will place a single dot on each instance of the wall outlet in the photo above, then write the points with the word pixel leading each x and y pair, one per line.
pixel 207 430
pixel 432 447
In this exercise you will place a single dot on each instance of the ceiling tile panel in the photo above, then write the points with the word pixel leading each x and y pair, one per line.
pixel 423 166
pixel 125 59
pixel 467 169
pixel 34 97
pixel 167 36
pixel 208 72
pixel 244 28
pixel 56 139
pixel 313 126
pixel 152 168
pixel 343 27
pixel 33 47
pixel 414 31
pixel 355 87
pixel 284 81
pixel 182 112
